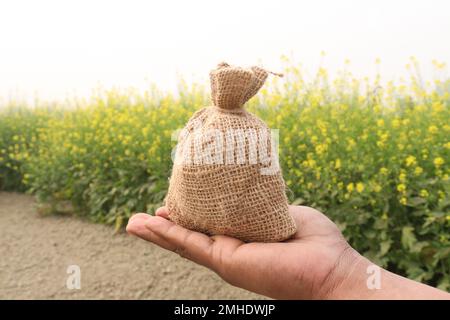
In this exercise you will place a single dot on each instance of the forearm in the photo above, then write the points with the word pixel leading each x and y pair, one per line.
pixel 358 278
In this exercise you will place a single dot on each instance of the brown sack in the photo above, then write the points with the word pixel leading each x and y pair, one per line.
pixel 226 177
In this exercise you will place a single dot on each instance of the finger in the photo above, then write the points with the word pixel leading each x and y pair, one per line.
pixel 162 212
pixel 136 227
pixel 214 258
pixel 304 215
pixel 311 223
pixel 192 245
pixel 139 216
pixel 300 217
pixel 136 222
pixel 296 213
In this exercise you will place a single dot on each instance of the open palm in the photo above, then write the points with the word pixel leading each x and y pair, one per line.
pixel 301 267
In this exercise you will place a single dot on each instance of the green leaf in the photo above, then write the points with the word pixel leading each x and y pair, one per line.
pixel 444 284
pixel 118 223
pixel 408 237
pixel 298 201
pixel 384 247
pixel 416 201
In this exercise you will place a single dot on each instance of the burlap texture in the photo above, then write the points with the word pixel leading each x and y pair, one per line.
pixel 229 196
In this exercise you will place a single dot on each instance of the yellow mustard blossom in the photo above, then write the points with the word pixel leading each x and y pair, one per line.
pixel 376 187
pixel 418 171
pixel 410 161
pixel 320 149
pixel 350 187
pixel 433 129
pixel 424 193
pixel 337 164
pixel 360 187
pixel 438 162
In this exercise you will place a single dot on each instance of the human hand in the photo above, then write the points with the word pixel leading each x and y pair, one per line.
pixel 311 265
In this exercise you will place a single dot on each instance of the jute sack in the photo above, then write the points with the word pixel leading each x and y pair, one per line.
pixel 226 177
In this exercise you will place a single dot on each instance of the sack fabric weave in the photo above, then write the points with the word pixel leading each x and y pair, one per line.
pixel 225 190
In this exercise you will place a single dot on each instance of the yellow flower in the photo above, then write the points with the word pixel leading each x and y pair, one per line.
pixel 402 177
pixel 360 187
pixel 424 193
pixel 311 163
pixel 433 129
pixel 401 187
pixel 410 160
pixel 403 201
pixel 438 107
pixel 377 187
pixel 384 171
pixel 320 149
pixel 351 142
pixel 418 171
pixel 380 122
pixel 337 165
pixel 350 187
pixel 438 162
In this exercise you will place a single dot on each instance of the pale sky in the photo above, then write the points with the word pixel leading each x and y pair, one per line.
pixel 64 47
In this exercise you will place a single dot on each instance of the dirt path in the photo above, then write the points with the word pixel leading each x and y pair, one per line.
pixel 36 251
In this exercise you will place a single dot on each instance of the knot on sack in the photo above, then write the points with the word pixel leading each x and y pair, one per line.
pixel 232 87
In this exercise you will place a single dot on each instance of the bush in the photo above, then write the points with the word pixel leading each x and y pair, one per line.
pixel 373 159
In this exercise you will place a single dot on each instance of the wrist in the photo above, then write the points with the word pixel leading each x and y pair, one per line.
pixel 349 277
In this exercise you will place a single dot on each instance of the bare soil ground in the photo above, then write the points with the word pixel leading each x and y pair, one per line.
pixel 35 252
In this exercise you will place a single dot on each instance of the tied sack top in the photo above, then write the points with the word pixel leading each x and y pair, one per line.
pixel 231 87
pixel 226 177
